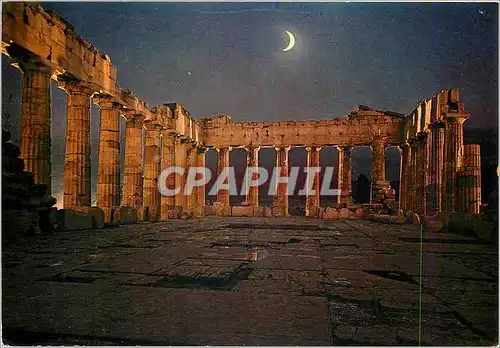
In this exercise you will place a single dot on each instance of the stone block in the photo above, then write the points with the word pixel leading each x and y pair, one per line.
pixel 331 214
pixel 209 210
pixel 242 211
pixel 344 213
pixel 258 211
pixel 127 215
pixel 221 209
pixel 70 220
pixel 321 212
pixel 142 213
pixel 267 212
pixel 360 213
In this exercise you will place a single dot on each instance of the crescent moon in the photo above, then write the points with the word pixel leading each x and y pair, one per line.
pixel 291 43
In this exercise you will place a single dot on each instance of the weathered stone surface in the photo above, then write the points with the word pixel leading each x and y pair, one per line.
pixel 210 210
pixel 69 219
pixel 331 214
pixel 344 213
pixel 127 215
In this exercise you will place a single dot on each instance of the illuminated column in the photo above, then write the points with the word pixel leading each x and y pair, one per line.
pixel 280 204
pixel 312 198
pixel 345 175
pixel 108 177
pixel 421 172
pixel 223 162
pixel 378 167
pixel 152 169
pixel 469 181
pixel 253 162
pixel 412 200
pixel 36 120
pixel 190 162
pixel 181 161
pixel 132 179
pixel 436 168
pixel 453 141
pixel 405 161
pixel 77 160
pixel 200 190
pixel 167 161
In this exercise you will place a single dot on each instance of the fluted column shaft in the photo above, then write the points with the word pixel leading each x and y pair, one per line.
pixel 108 176
pixel 167 161
pixel 200 190
pixel 77 160
pixel 403 176
pixel 191 162
pixel 152 168
pixel 180 159
pixel 421 172
pixel 133 180
pixel 312 199
pixel 222 162
pixel 412 190
pixel 280 200
pixel 253 162
pixel 345 175
pixel 378 165
pixel 36 122
pixel 435 168
pixel 453 151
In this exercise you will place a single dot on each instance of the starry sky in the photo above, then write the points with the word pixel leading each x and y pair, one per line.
pixel 227 58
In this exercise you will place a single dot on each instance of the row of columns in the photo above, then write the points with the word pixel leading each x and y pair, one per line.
pixel 430 163
pixel 140 187
pixel 280 202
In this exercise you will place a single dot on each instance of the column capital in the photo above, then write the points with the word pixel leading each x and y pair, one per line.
pixel 344 148
pixel 75 87
pixel 223 148
pixel 282 147
pixel 201 149
pixel 249 148
pixel 106 102
pixel 151 125
pixel 133 115
pixel 455 117
pixel 313 148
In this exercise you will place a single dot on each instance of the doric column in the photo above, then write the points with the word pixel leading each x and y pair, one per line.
pixel 469 181
pixel 223 162
pixel 132 180
pixel 412 200
pixel 191 162
pixel 421 172
pixel 312 199
pixel 280 204
pixel 435 168
pixel 345 175
pixel 200 190
pixel 152 169
pixel 253 162
pixel 453 141
pixel 108 176
pixel 405 159
pixel 36 120
pixel 167 161
pixel 378 166
pixel 78 149
pixel 180 159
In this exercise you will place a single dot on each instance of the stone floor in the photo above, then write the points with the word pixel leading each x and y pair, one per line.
pixel 249 281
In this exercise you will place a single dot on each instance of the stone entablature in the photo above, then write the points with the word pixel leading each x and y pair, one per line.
pixel 356 129
pixel 437 176
pixel 28 31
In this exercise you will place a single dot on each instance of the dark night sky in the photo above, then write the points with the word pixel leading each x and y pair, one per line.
pixel 387 56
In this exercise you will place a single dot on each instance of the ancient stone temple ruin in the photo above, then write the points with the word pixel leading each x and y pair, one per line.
pixel 438 173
